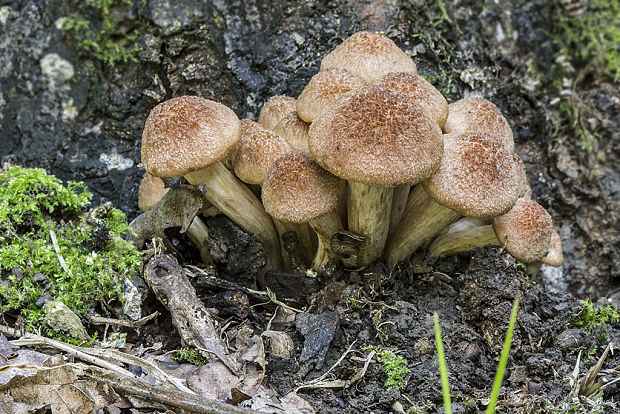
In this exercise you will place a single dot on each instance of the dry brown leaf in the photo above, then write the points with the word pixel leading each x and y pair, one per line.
pixel 280 344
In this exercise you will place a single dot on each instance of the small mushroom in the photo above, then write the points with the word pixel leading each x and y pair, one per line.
pixel 478 114
pixel 294 130
pixel 298 190
pixel 368 56
pixel 478 177
pixel 324 88
pixel 258 149
pixel 276 108
pixel 189 136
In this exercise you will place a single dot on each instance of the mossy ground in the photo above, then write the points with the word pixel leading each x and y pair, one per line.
pixel 50 247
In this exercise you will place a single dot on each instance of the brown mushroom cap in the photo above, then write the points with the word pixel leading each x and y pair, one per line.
pixel 258 148
pixel 478 114
pixel 525 231
pixel 478 177
pixel 276 108
pixel 324 88
pixel 294 130
pixel 298 190
pixel 376 136
pixel 369 56
pixel 151 190
pixel 421 91
pixel 187 134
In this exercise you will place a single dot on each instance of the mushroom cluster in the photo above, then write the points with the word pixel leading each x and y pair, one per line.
pixel 369 150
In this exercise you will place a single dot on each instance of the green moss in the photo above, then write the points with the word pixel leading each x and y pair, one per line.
pixel 97 34
pixel 591 317
pixel 34 207
pixel 190 355
pixel 394 366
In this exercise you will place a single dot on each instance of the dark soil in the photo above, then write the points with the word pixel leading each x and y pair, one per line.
pixel 81 119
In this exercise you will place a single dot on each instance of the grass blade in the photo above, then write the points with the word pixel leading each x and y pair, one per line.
pixel 443 368
pixel 503 360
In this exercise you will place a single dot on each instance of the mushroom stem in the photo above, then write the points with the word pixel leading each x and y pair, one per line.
pixel 324 227
pixel 198 234
pixel 237 202
pixel 423 219
pixel 304 238
pixel 399 202
pixel 368 212
pixel 463 241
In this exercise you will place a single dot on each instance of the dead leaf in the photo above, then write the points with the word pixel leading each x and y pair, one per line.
pixel 280 343
pixel 213 380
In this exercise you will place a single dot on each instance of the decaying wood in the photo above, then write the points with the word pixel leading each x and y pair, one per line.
pixel 176 209
pixel 197 328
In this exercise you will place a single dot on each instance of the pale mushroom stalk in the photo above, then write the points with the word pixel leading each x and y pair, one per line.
pixel 304 237
pixel 368 214
pixel 324 227
pixel 399 202
pixel 237 202
pixel 463 241
pixel 422 221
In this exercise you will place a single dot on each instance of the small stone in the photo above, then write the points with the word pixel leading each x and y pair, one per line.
pixel 17 272
pixel 570 339
pixel 62 319
pixel 39 278
pixel 43 299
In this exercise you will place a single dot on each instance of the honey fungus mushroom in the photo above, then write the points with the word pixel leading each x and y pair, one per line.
pixel 525 232
pixel 369 56
pixel 478 177
pixel 189 136
pixel 298 190
pixel 376 139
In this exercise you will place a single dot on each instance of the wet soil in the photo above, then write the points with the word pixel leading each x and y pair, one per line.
pixel 81 119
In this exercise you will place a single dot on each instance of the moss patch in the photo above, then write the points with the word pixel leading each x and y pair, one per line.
pixel 49 246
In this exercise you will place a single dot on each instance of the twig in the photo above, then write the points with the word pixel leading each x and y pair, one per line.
pixel 315 382
pixel 99 320
pixel 63 264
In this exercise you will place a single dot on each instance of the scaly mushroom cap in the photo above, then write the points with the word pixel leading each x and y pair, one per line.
pixel 525 231
pixel 187 134
pixel 276 108
pixel 151 190
pixel 298 190
pixel 258 148
pixel 324 88
pixel 369 56
pixel 478 177
pixel 478 114
pixel 419 90
pixel 376 136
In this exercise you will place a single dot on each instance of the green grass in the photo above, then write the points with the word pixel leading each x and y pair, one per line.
pixel 499 374
pixel 82 268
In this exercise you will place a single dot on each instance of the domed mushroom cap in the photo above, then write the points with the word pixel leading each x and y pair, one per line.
pixel 298 190
pixel 151 190
pixel 525 231
pixel 324 88
pixel 276 108
pixel 294 130
pixel 369 56
pixel 187 134
pixel 419 90
pixel 478 114
pixel 376 136
pixel 258 148
pixel 478 177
